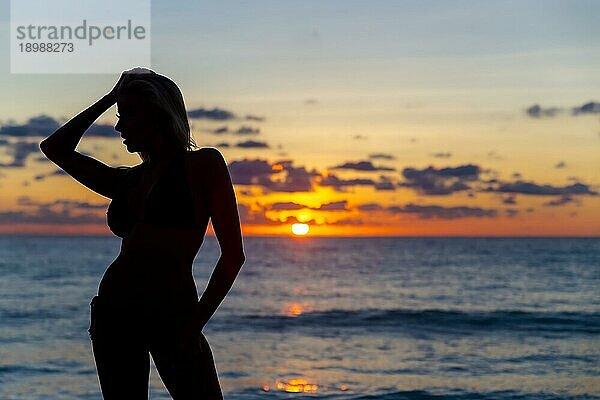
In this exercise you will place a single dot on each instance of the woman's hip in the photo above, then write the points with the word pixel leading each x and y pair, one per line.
pixel 124 317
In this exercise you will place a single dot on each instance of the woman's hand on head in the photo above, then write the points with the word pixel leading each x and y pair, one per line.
pixel 127 76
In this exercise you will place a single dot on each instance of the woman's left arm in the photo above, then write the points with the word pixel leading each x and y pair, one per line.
pixel 226 223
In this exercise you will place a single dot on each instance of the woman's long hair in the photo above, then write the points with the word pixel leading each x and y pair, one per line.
pixel 166 101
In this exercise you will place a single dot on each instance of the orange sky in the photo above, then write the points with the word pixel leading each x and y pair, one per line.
pixel 368 122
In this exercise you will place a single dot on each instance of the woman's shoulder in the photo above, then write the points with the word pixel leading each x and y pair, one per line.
pixel 206 155
pixel 206 152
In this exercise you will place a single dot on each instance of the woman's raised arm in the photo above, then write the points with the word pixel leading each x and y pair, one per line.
pixel 60 148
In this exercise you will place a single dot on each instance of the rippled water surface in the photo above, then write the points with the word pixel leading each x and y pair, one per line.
pixel 329 318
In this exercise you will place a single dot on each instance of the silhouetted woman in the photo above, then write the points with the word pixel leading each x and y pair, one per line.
pixel 147 301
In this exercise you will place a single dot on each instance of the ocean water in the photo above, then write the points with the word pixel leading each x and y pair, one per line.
pixel 334 318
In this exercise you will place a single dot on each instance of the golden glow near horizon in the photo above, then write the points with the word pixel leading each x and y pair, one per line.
pixel 304 217
pixel 300 229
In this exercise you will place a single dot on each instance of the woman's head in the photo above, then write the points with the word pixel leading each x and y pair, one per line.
pixel 152 114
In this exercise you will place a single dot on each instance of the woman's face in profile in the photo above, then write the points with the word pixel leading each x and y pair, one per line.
pixel 135 123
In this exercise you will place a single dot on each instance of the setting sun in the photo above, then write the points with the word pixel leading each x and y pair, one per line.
pixel 299 229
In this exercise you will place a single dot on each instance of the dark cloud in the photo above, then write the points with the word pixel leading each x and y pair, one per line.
pixel 249 172
pixel 60 211
pixel 370 207
pixel 531 188
pixel 246 192
pixel 362 166
pixel 509 200
pixel 536 111
pixel 349 221
pixel 47 216
pixel 560 164
pixel 42 125
pixel 281 206
pixel 441 212
pixel 333 181
pixel 252 144
pixel 56 172
pixel 382 156
pixel 359 137
pixel 434 181
pixel 280 176
pixel 66 203
pixel 20 151
pixel 587 108
pixel 243 130
pixel 292 219
pixel 341 205
pixel 442 155
pixel 258 217
pixel 467 172
pixel 254 118
pixel 295 179
pixel 511 212
pixel 249 216
pixel 247 130
pixel 216 114
pixel 385 183
pixel 221 130
pixel 561 201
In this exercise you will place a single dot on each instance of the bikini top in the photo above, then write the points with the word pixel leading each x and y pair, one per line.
pixel 169 203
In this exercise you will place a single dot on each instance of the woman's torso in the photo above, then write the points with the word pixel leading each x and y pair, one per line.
pixel 162 231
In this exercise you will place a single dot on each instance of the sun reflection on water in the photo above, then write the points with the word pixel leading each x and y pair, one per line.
pixel 299 385
pixel 295 309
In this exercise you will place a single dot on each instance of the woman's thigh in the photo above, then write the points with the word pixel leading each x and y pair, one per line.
pixel 120 351
pixel 186 376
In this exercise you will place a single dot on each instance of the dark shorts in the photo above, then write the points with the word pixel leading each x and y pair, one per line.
pixel 123 335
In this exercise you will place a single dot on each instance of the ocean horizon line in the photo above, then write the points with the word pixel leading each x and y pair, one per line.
pixel 335 236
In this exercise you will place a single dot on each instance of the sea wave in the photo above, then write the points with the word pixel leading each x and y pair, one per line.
pixel 423 321
pixel 251 393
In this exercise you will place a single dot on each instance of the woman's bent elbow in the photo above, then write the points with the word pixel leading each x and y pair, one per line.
pixel 44 147
pixel 49 150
